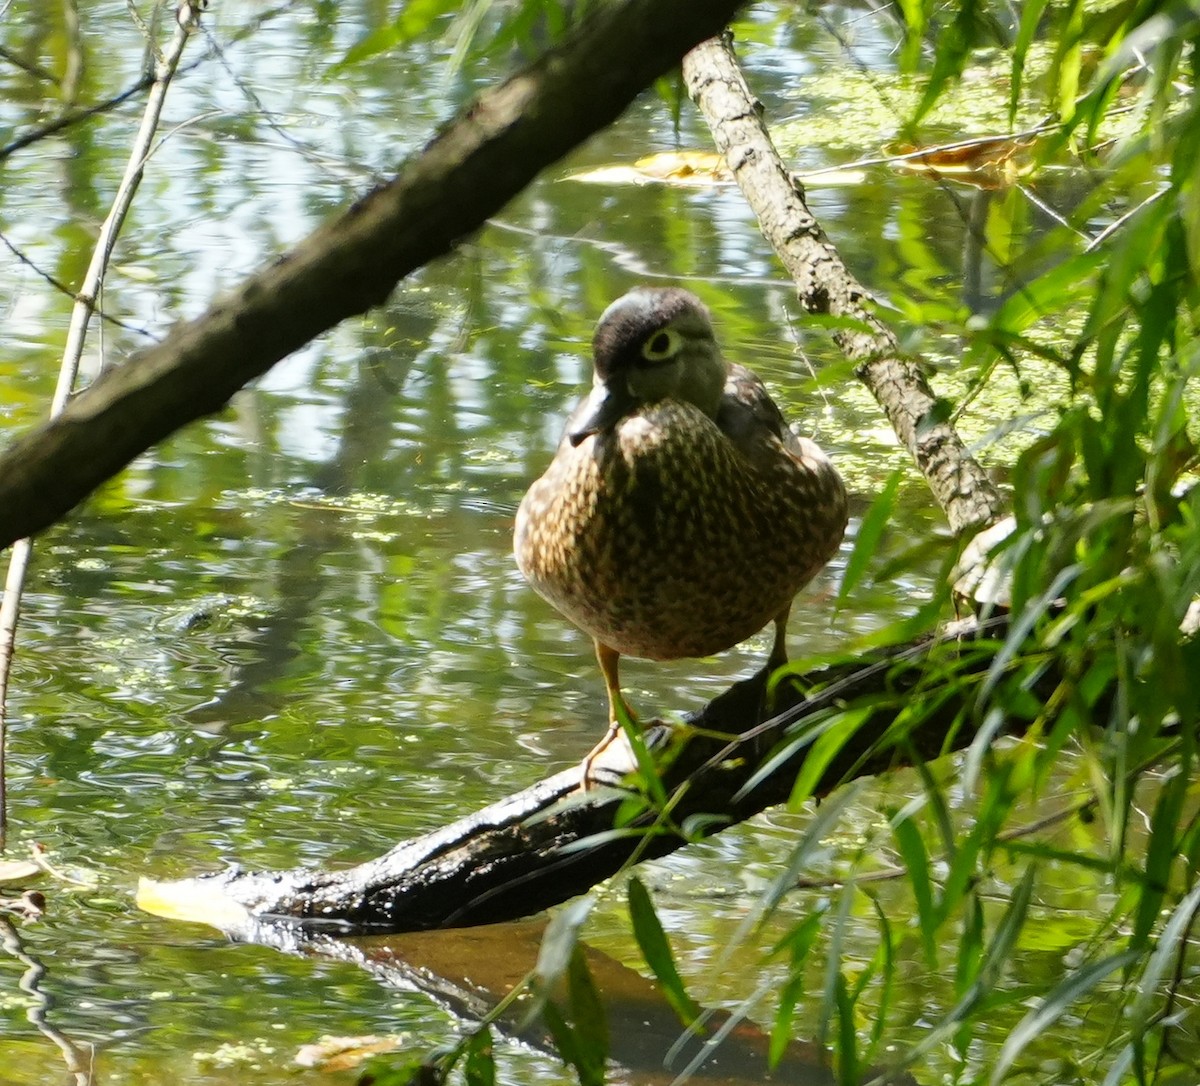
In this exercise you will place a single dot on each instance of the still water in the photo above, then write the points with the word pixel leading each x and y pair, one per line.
pixel 294 633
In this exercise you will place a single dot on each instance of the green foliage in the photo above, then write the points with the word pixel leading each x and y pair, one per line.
pixel 478 28
pixel 657 951
pixel 1104 563
pixel 797 943
pixel 580 1030
pixel 1092 673
pixel 480 1065
pixel 966 29
pixel 870 532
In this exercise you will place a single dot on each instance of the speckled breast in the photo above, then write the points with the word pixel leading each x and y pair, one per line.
pixel 661 539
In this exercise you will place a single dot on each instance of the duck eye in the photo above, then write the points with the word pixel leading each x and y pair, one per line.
pixel 661 346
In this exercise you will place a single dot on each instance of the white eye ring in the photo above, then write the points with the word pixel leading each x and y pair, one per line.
pixel 663 345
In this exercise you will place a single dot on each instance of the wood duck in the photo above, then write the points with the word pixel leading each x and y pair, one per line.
pixel 680 514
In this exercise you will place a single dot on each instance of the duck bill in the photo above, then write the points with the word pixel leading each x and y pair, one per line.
pixel 601 411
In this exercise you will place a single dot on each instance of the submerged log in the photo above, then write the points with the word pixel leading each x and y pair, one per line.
pixel 554 840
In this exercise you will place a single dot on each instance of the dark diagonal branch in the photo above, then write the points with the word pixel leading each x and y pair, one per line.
pixel 487 155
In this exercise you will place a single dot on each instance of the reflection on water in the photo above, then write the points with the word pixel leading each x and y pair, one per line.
pixel 294 633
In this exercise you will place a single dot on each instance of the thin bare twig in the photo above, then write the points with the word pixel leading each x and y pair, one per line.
pixel 34 71
pixel 188 14
pixel 22 257
pixel 1116 224
pixel 66 120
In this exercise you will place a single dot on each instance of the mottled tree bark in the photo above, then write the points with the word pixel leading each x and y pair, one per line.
pixel 825 285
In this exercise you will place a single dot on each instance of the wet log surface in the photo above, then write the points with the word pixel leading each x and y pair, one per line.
pixel 555 840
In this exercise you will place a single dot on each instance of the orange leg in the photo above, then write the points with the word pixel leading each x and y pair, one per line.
pixel 609 660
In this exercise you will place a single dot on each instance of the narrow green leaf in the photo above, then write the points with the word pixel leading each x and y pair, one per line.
pixel 916 862
pixel 1170 944
pixel 781 1029
pixel 1161 851
pixel 999 951
pixel 993 808
pixel 847 1036
pixel 1015 641
pixel 798 942
pixel 416 19
pixel 833 990
pixel 705 1051
pixel 647 769
pixel 1169 22
pixel 589 1020
pixel 827 747
pixel 827 816
pixel 465 30
pixel 915 21
pixel 1031 17
pixel 652 941
pixel 1069 61
pixel 1036 1022
pixel 799 939
pixel 565 1041
pixel 1068 280
pixel 560 939
pixel 811 728
pixel 388 1070
pixel 954 46
pixel 993 722
pixel 480 1065
pixel 1120 1067
pixel 885 966
pixel 936 799
pixel 870 530
pixel 672 93
pixel 969 959
pixel 1037 850
pixel 997 956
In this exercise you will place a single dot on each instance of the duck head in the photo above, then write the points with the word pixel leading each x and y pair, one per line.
pixel 651 344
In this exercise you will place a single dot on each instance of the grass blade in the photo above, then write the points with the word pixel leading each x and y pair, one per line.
pixel 652 940
pixel 870 531
pixel 1035 1023
pixel 916 862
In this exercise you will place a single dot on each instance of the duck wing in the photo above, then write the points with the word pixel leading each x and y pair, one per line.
pixel 750 418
